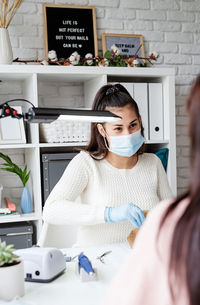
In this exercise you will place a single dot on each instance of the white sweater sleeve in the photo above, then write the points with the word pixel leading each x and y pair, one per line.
pixel 164 190
pixel 60 207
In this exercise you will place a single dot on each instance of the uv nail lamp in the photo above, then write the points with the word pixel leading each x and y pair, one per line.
pixel 42 264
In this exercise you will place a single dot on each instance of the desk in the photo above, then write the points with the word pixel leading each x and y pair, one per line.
pixel 68 288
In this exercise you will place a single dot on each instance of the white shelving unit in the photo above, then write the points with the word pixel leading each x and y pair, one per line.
pixel 32 78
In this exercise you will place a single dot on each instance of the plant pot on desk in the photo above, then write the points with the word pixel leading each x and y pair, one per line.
pixel 12 281
pixel 26 201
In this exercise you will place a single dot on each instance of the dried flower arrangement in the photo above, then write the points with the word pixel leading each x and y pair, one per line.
pixel 8 10
pixel 111 58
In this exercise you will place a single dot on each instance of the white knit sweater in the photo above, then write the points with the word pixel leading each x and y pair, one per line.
pixel 87 186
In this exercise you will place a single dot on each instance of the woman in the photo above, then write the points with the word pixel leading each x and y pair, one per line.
pixel 112 178
pixel 164 265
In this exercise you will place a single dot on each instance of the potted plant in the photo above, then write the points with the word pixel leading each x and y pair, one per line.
pixel 11 273
pixel 9 166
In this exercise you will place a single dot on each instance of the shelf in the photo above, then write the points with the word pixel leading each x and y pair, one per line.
pixel 157 142
pixel 86 143
pixel 19 218
pixel 69 144
pixel 12 71
pixel 47 86
pixel 8 146
pixel 63 144
pixel 15 146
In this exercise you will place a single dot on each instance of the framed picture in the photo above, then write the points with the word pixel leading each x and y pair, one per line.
pixel 12 130
pixel 127 43
pixel 68 29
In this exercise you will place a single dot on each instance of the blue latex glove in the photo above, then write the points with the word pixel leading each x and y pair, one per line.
pixel 127 211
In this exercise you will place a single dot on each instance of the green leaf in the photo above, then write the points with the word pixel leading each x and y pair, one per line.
pixel 118 57
pixel 14 168
pixel 7 169
pixel 26 178
pixel 5 164
pixel 123 64
pixel 6 158
pixel 24 172
pixel 17 169
pixel 107 54
pixel 6 254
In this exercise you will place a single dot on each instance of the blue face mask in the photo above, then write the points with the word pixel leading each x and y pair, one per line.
pixel 126 145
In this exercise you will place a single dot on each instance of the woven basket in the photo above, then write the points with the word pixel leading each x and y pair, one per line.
pixel 63 132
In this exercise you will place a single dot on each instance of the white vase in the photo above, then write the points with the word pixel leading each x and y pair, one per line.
pixel 12 282
pixel 6 54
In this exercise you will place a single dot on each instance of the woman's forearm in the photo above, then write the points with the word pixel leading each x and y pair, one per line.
pixel 63 212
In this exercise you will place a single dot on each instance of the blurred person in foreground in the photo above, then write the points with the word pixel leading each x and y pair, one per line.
pixel 163 268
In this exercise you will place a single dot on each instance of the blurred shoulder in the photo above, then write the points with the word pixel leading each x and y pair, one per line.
pixel 149 229
pixel 163 206
pixel 160 210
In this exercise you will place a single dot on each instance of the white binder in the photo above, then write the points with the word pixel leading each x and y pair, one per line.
pixel 155 111
pixel 141 97
pixel 138 91
pixel 129 87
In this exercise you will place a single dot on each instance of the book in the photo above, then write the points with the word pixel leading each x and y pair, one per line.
pixel 7 212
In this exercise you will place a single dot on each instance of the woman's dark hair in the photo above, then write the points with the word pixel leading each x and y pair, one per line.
pixel 185 247
pixel 109 96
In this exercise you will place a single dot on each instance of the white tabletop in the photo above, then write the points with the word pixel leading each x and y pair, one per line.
pixel 68 289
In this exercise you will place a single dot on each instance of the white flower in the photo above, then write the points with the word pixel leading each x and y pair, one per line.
pixel 44 63
pixel 52 55
pixel 103 62
pixel 89 61
pixel 115 50
pixel 130 65
pixel 74 58
pixel 153 55
pixel 135 62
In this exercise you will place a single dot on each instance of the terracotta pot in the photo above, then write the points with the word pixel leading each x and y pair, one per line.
pixel 12 281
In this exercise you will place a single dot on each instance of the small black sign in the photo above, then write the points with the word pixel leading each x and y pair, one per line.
pixel 69 29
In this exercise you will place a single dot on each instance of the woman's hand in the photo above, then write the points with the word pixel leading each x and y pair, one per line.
pixel 127 211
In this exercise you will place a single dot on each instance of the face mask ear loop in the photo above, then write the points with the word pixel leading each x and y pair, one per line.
pixel 104 138
pixel 105 143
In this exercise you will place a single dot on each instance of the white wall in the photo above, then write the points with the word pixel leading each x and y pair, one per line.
pixel 170 27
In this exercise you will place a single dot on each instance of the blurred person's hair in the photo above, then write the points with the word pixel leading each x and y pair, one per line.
pixel 185 246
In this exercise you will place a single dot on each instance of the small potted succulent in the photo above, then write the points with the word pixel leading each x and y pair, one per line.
pixel 11 273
